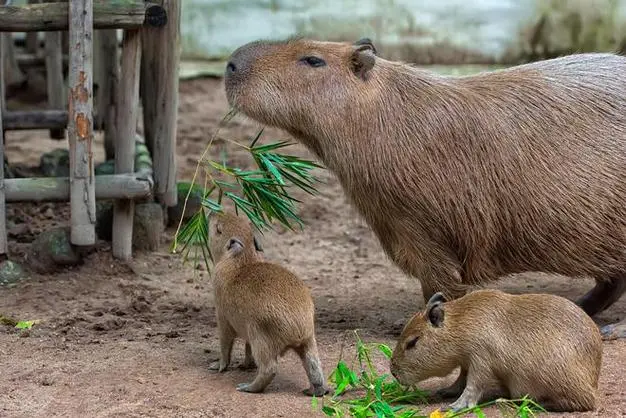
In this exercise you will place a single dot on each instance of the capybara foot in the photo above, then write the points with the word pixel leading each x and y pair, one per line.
pixel 218 366
pixel 316 391
pixel 248 387
pixel 615 331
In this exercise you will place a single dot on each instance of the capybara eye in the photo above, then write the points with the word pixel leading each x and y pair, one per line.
pixel 411 343
pixel 313 61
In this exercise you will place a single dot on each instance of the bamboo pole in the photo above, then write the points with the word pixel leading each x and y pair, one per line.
pixel 161 49
pixel 54 77
pixel 57 189
pixel 3 215
pixel 126 111
pixel 80 128
pixel 107 14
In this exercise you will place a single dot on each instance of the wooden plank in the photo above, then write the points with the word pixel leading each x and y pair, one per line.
pixel 161 49
pixel 3 215
pixel 126 111
pixel 107 14
pixel 80 124
pixel 54 77
pixel 16 120
pixel 57 189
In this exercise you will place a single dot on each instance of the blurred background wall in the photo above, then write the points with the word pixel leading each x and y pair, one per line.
pixel 418 31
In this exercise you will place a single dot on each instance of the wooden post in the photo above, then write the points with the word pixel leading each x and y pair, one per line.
pixel 54 77
pixel 3 215
pixel 126 111
pixel 32 38
pixel 161 48
pixel 80 124
pixel 106 76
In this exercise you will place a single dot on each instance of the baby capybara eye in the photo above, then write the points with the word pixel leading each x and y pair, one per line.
pixel 313 61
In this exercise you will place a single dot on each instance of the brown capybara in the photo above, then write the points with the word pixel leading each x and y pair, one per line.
pixel 263 303
pixel 539 345
pixel 463 179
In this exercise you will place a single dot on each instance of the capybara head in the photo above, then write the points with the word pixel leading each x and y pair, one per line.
pixel 231 235
pixel 264 75
pixel 426 347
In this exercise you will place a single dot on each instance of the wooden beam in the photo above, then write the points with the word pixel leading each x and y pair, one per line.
pixel 161 49
pixel 3 214
pixel 107 14
pixel 57 189
pixel 106 76
pixel 80 124
pixel 17 120
pixel 54 77
pixel 126 111
pixel 25 61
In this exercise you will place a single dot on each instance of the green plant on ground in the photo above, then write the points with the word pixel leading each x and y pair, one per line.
pixel 382 396
pixel 261 194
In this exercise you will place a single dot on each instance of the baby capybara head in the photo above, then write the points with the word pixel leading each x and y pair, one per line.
pixel 425 347
pixel 262 78
pixel 230 234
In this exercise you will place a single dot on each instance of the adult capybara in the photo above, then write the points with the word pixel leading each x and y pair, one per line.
pixel 261 302
pixel 539 345
pixel 463 179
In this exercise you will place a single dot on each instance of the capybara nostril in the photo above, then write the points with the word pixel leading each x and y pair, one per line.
pixel 230 68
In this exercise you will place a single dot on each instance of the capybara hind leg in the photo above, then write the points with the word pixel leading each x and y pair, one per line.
pixel 248 362
pixel 227 338
pixel 313 367
pixel 267 362
pixel 603 295
pixel 614 331
pixel 581 404
pixel 455 390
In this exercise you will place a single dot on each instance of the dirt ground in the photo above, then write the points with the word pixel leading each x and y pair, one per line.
pixel 135 339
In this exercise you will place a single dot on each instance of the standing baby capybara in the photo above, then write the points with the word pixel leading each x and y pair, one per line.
pixel 463 179
pixel 263 303
pixel 536 345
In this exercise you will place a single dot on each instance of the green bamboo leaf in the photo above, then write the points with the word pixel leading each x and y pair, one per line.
pixel 212 205
pixel 256 138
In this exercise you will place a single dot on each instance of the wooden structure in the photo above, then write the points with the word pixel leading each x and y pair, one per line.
pixel 149 56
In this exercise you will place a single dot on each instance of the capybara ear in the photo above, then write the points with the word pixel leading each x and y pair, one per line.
pixel 257 245
pixel 363 60
pixel 436 298
pixel 435 314
pixel 366 42
pixel 234 246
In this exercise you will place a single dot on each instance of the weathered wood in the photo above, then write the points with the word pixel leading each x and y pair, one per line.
pixel 13 75
pixel 107 14
pixel 80 124
pixel 32 38
pixel 126 111
pixel 25 61
pixel 161 48
pixel 3 215
pixel 54 77
pixel 34 119
pixel 106 76
pixel 57 189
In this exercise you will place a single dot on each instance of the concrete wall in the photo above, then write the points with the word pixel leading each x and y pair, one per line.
pixel 420 31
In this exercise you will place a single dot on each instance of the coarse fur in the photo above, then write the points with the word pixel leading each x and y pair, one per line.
pixel 463 179
pixel 539 345
pixel 263 303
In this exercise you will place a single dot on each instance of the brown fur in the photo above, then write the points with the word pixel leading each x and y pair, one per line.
pixel 262 303
pixel 463 179
pixel 539 345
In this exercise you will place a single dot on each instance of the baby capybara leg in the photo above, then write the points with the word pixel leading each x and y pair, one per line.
pixel 267 361
pixel 454 390
pixel 603 295
pixel 313 367
pixel 248 362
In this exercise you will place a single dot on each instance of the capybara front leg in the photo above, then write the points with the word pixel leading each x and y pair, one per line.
pixel 227 338
pixel 248 362
pixel 603 295
pixel 473 392
pixel 313 367
pixel 454 390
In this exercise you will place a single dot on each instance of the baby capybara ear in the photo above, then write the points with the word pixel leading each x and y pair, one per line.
pixel 434 310
pixel 366 42
pixel 362 60
pixel 235 246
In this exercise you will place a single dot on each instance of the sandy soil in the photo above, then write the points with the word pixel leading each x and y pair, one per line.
pixel 135 340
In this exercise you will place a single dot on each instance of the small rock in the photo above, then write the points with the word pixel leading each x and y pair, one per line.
pixel 148 226
pixel 52 250
pixel 55 163
pixel 10 273
pixel 193 204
